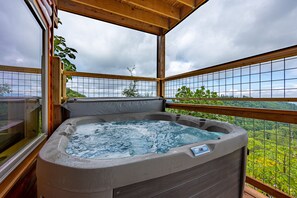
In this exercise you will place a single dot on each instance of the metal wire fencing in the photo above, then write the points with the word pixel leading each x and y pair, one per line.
pixel 272 155
pixel 20 84
pixel 103 87
pixel 273 79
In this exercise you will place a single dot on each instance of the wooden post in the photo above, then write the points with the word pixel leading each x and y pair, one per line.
pixel 161 65
pixel 63 83
pixel 56 92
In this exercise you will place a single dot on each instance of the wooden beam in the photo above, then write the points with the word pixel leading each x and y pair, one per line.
pixel 158 7
pixel 161 65
pixel 56 92
pixel 189 3
pixel 269 56
pixel 125 10
pixel 109 76
pixel 20 69
pixel 57 81
pixel 240 99
pixel 185 11
pixel 266 188
pixel 285 116
pixel 64 81
pixel 108 17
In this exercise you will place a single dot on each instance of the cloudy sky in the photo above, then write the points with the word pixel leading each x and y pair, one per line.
pixel 20 35
pixel 220 31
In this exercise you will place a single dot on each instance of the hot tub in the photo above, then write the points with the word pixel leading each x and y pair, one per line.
pixel 211 168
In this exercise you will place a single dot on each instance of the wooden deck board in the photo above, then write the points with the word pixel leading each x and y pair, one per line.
pixel 251 193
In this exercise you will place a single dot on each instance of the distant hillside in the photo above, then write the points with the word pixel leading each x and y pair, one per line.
pixel 259 104
pixel 73 94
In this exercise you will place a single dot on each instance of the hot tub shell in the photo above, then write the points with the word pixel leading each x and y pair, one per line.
pixel 177 173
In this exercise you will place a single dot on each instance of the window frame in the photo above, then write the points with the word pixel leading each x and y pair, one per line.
pixel 16 159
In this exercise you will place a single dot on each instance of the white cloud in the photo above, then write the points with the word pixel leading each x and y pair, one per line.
pixel 226 30
pixel 106 48
pixel 176 67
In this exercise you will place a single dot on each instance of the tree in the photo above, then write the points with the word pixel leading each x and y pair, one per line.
pixel 186 92
pixel 64 52
pixel 131 91
pixel 73 94
pixel 5 89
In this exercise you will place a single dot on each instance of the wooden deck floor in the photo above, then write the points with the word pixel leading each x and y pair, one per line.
pixel 251 193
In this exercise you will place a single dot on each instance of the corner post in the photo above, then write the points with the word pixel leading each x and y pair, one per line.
pixel 161 65
pixel 56 91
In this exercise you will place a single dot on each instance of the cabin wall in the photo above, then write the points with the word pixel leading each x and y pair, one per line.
pixel 26 186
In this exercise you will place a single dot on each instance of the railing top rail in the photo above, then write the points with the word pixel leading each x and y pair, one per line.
pixel 20 69
pixel 286 116
pixel 269 56
pixel 108 76
pixel 240 99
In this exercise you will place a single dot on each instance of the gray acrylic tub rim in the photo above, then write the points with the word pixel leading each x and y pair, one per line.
pixel 61 134
pixel 56 169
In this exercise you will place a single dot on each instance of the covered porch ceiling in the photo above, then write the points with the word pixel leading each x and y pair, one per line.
pixel 151 16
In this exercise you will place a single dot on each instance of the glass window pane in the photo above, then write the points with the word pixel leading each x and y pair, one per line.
pixel 20 92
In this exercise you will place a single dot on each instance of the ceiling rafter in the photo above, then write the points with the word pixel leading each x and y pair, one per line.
pixel 189 3
pixel 98 14
pixel 157 17
pixel 127 11
pixel 158 7
pixel 186 11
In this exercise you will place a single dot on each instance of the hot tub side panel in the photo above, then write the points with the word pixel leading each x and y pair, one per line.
pixel 222 177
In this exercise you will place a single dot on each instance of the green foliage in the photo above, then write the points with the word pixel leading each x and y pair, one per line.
pixel 261 104
pixel 273 157
pixel 131 91
pixel 185 92
pixel 64 52
pixel 73 94
pixel 273 146
pixel 5 89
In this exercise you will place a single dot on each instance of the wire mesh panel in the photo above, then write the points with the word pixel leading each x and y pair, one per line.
pixel 272 153
pixel 274 79
pixel 272 149
pixel 20 84
pixel 102 87
pixel 20 109
pixel 272 145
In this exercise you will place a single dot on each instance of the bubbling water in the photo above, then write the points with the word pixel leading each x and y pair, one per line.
pixel 105 140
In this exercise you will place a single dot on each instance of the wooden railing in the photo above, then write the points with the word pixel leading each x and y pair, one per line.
pixel 261 58
pixel 279 116
pixel 59 93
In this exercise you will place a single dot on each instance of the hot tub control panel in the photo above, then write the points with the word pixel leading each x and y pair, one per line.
pixel 200 150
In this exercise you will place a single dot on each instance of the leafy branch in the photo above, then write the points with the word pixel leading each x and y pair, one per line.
pixel 131 91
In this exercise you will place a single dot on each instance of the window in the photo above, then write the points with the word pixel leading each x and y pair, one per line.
pixel 21 65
